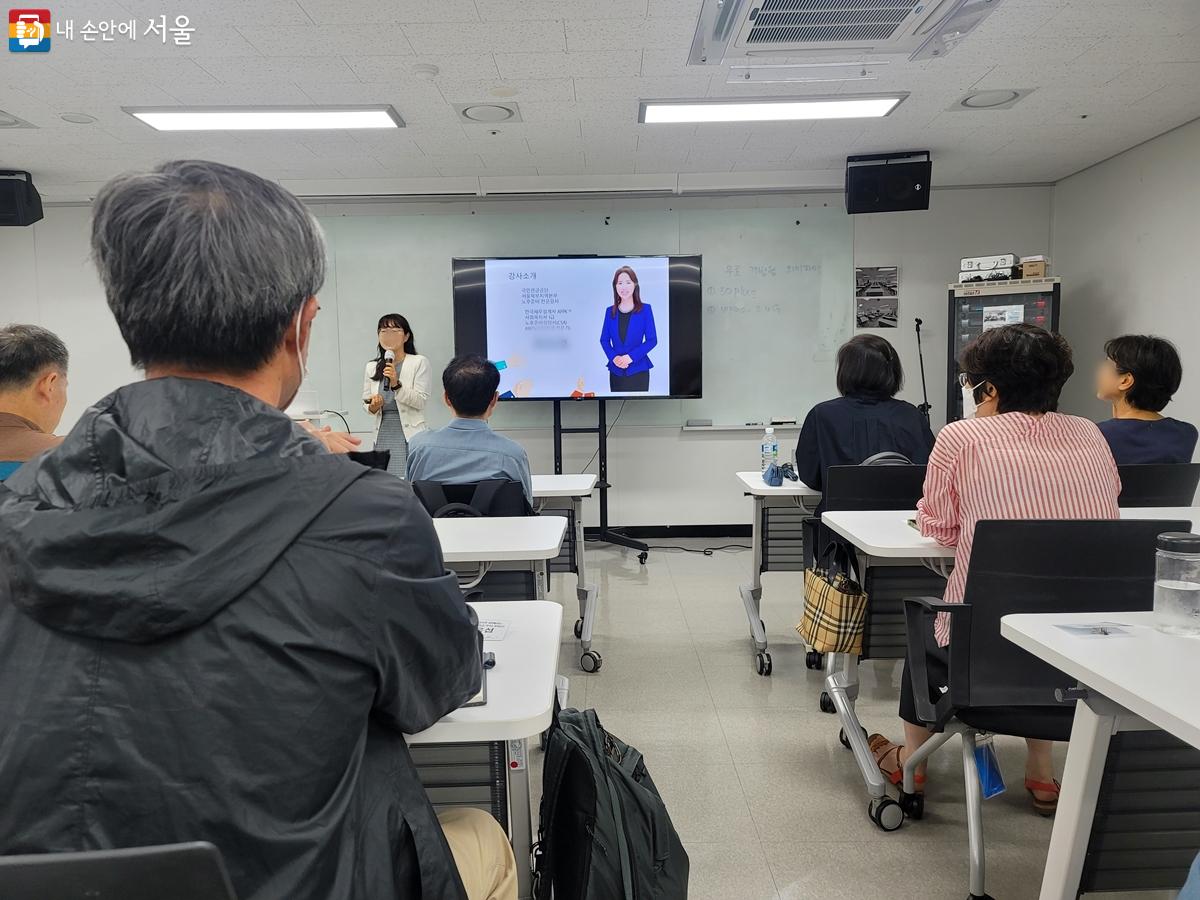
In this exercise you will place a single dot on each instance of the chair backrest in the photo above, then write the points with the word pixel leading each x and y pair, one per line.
pixel 873 487
pixel 481 498
pixel 887 458
pixel 7 467
pixel 1043 566
pixel 1162 484
pixel 179 871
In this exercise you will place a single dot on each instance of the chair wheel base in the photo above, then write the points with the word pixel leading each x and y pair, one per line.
pixel 814 660
pixel 762 663
pixel 579 629
pixel 885 813
pixel 591 661
pixel 642 557
pixel 827 703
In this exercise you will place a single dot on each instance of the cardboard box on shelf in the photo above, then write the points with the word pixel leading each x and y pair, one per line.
pixel 1034 268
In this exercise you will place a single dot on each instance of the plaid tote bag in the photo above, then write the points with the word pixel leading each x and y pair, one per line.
pixel 835 605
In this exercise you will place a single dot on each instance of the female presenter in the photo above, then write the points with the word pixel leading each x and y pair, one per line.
pixel 395 388
pixel 628 335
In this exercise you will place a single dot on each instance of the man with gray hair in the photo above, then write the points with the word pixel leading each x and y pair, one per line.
pixel 211 628
pixel 33 393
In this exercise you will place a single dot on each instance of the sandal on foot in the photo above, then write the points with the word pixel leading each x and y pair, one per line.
pixel 887 756
pixel 1043 807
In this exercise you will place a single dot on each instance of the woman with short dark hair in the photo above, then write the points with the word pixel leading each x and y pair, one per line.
pixel 1012 457
pixel 1139 375
pixel 866 419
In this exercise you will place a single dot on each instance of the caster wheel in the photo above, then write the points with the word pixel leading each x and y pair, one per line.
pixel 827 703
pixel 579 629
pixel 642 557
pixel 591 661
pixel 886 813
pixel 762 663
pixel 913 805
pixel 814 660
pixel 846 741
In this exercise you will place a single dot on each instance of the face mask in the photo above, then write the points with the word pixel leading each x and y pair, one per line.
pixel 968 400
pixel 303 366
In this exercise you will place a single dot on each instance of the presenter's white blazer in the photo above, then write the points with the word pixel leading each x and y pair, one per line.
pixel 411 396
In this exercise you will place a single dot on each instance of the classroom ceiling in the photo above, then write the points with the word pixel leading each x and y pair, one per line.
pixel 1106 74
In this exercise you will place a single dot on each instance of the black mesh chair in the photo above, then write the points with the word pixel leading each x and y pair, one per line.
pixel 1166 484
pixel 478 500
pixel 179 871
pixel 1024 566
pixel 880 486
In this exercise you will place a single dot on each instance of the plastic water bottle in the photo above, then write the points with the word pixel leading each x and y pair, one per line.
pixel 1177 584
pixel 770 448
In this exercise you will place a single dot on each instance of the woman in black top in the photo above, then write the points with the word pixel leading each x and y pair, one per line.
pixel 866 419
pixel 1139 375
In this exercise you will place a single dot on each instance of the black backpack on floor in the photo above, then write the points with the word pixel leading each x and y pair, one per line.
pixel 604 833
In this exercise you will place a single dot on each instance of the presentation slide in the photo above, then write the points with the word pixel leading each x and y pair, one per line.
pixel 583 326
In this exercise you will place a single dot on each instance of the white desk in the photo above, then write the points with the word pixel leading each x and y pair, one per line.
pixel 794 494
pixel 549 491
pixel 885 535
pixel 1130 680
pixel 522 539
pixel 520 705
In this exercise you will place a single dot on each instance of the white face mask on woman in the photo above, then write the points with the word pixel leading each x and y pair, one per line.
pixel 969 404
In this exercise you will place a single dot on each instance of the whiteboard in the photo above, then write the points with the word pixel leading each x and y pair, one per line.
pixel 778 293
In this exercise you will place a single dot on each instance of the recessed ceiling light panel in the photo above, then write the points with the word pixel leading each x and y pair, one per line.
pixel 488 113
pixel 991 98
pixel 275 118
pixel 654 112
pixel 78 118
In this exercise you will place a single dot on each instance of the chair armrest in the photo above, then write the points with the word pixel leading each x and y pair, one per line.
pixel 916 610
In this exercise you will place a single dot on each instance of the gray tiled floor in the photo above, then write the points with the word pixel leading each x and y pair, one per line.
pixel 766 800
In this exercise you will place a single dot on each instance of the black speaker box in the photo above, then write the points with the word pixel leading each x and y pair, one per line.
pixel 887 183
pixel 20 203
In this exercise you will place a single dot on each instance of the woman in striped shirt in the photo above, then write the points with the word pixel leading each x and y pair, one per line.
pixel 1012 457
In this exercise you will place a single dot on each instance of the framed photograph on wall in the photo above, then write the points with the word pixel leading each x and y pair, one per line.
pixel 877 296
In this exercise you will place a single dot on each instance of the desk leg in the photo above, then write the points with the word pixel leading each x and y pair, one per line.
pixel 539 578
pixel 1091 733
pixel 752 593
pixel 841 683
pixel 587 593
pixel 520 816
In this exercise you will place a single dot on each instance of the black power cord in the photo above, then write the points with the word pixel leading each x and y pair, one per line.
pixel 607 435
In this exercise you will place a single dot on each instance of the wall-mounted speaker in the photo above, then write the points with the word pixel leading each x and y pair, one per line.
pixel 20 203
pixel 888 182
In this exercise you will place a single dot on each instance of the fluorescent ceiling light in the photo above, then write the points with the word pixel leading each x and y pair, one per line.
pixel 299 118
pixel 655 112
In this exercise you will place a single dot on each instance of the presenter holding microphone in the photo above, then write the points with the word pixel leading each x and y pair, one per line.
pixel 628 335
pixel 396 386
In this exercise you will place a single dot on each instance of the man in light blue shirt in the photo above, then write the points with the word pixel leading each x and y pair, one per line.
pixel 467 450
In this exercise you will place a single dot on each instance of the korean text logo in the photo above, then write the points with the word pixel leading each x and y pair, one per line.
pixel 29 30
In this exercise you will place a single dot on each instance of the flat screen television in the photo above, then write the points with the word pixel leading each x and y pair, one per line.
pixel 562 327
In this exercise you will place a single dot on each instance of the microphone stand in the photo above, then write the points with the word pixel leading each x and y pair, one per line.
pixel 924 407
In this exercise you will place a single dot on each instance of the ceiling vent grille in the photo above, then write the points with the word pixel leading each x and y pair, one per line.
pixel 731 30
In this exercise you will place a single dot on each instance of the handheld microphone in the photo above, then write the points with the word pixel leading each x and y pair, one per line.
pixel 389 357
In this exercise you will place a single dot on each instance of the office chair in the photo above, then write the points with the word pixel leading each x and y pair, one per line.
pixel 1163 484
pixel 1018 566
pixel 192 871
pixel 7 467
pixel 483 499
pixel 479 499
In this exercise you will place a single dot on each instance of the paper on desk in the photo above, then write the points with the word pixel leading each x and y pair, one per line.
pixel 492 630
pixel 1097 630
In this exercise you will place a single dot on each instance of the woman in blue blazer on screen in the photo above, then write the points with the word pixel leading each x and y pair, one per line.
pixel 628 335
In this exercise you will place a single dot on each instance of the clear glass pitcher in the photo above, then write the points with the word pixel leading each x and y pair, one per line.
pixel 1177 584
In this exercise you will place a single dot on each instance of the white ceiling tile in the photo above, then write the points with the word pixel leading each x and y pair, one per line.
pixel 649 34
pixel 574 10
pixel 1092 17
pixel 338 12
pixel 580 64
pixel 673 9
pixel 537 90
pixel 296 69
pixel 468 37
pixel 563 165
pixel 1136 49
pixel 260 94
pixel 215 16
pixel 455 66
pixel 206 40
pixel 601 90
pixel 671 62
pixel 603 164
pixel 133 71
pixel 351 39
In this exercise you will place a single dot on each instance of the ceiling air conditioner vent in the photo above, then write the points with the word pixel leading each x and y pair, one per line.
pixel 761 29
